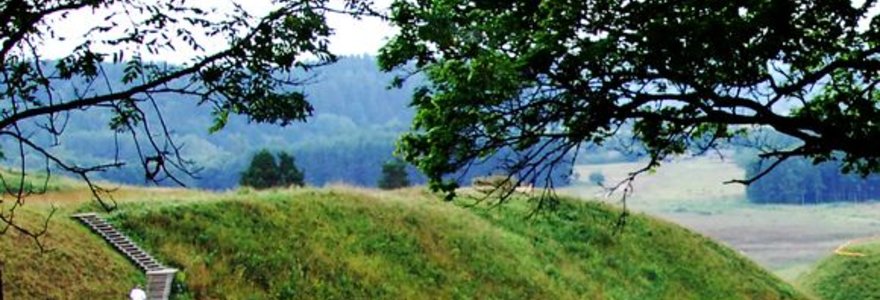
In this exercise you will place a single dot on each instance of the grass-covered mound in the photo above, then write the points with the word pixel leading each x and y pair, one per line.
pixel 76 265
pixel 847 277
pixel 356 244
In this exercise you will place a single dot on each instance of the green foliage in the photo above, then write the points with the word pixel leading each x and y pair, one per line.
pixel 841 277
pixel 679 76
pixel 405 244
pixel 394 175
pixel 264 172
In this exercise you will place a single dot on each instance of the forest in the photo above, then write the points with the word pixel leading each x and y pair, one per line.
pixel 356 122
pixel 352 131
pixel 799 181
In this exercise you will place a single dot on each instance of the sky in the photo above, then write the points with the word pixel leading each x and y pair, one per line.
pixel 352 37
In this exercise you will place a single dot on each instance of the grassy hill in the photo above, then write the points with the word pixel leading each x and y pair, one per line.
pixel 351 243
pixel 77 264
pixel 847 277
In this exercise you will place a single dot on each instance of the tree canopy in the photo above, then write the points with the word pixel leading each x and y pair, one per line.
pixel 265 171
pixel 546 77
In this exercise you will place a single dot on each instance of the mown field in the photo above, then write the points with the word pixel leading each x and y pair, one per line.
pixel 342 242
pixel 786 239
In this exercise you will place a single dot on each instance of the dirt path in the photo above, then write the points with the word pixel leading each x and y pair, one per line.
pixel 841 250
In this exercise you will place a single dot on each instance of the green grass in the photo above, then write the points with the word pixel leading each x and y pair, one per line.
pixel 34 182
pixel 847 277
pixel 77 265
pixel 354 244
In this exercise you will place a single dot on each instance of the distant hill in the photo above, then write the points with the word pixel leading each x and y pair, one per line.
pixel 843 277
pixel 356 122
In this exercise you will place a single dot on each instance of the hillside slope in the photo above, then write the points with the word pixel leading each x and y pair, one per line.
pixel 352 244
pixel 76 265
pixel 847 277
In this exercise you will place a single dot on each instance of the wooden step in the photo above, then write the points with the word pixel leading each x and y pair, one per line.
pixel 119 240
pixel 147 263
pixel 151 266
pixel 140 255
pixel 111 236
pixel 126 244
pixel 144 258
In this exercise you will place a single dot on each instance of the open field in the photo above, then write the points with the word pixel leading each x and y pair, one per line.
pixel 785 239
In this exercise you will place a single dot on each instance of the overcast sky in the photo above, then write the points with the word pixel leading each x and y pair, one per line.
pixel 351 37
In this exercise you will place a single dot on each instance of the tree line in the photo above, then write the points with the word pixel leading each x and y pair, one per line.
pixel 799 181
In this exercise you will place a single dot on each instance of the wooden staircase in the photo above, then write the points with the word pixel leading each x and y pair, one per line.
pixel 159 277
